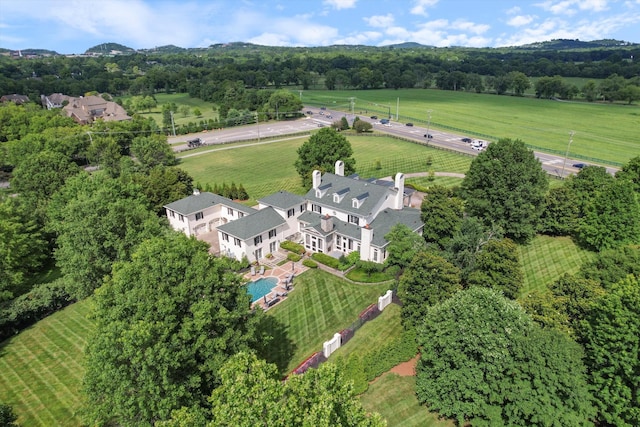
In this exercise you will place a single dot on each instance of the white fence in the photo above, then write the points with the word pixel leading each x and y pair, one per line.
pixel 332 345
pixel 384 300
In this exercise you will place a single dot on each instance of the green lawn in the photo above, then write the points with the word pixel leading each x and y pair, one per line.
pixel 394 397
pixel 267 168
pixel 602 131
pixel 321 305
pixel 41 368
pixel 547 258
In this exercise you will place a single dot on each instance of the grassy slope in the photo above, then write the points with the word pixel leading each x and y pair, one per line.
pixel 321 305
pixel 547 258
pixel 606 132
pixel 41 369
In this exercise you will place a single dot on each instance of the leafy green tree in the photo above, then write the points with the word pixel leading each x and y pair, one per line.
pixel 403 246
pixel 611 339
pixel 362 126
pixel 612 218
pixel 283 104
pixel 441 213
pixel 7 416
pixel 590 90
pixel 497 266
pixel 520 82
pixel 321 151
pixel 252 394
pixel 428 280
pixel 22 248
pixel 153 151
pixel 163 185
pixel 505 186
pixel 165 323
pixel 613 265
pixel 98 221
pixel 560 214
pixel 38 177
pixel 485 363
pixel 631 171
pixel 106 153
pixel 344 123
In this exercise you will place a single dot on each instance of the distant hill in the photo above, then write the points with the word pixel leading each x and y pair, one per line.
pixel 110 48
pixel 409 45
pixel 164 49
pixel 567 44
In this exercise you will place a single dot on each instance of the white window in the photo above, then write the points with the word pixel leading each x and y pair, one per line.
pixel 181 217
pixel 240 214
pixel 199 216
pixel 257 240
pixel 291 212
pixel 272 234
pixel 172 213
pixel 230 211
pixel 316 208
pixel 303 208
pixel 353 219
pixel 272 247
pixel 375 255
pixel 225 237
pixel 237 242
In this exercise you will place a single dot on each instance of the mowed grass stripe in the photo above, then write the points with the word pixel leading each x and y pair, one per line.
pixel 547 258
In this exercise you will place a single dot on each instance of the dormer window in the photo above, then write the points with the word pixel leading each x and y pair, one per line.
pixel 322 190
pixel 339 195
pixel 356 202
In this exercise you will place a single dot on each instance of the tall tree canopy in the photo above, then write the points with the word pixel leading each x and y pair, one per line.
pixel 497 266
pixel 506 186
pixel 404 244
pixel 611 338
pixel 98 220
pixel 321 151
pixel 441 213
pixel 484 362
pixel 165 323
pixel 252 394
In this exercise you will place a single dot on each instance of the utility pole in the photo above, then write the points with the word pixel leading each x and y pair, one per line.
pixel 352 103
pixel 429 126
pixel 567 153
pixel 258 123
pixel 397 108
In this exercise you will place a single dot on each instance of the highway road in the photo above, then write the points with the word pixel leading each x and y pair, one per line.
pixel 551 163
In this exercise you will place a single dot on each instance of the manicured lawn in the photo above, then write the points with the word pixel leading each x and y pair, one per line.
pixel 394 397
pixel 602 131
pixel 268 168
pixel 319 306
pixel 373 334
pixel 547 258
pixel 41 368
pixel 206 108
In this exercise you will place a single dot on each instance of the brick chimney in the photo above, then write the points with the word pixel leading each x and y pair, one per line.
pixel 326 223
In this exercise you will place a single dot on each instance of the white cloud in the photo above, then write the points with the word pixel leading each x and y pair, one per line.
pixel 380 21
pixel 514 10
pixel 564 7
pixel 520 20
pixel 420 7
pixel 593 5
pixel 340 4
pixel 366 37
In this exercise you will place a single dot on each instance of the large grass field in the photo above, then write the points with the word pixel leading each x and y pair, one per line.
pixel 41 369
pixel 602 131
pixel 266 168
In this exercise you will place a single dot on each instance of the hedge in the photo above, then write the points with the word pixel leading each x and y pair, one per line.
pixel 310 263
pixel 292 247
pixel 396 351
pixel 293 257
pixel 326 260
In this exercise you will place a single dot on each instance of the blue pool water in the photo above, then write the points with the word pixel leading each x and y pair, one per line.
pixel 261 287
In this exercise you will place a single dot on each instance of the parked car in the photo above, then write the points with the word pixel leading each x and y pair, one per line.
pixel 466 140
pixel 374 117
pixel 309 112
pixel 409 124
pixel 384 121
pixel 479 145
pixel 580 165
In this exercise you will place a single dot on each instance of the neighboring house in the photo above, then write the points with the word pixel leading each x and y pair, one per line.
pixel 337 216
pixel 15 98
pixel 55 100
pixel 85 110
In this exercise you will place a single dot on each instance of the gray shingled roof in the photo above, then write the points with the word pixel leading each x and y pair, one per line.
pixel 357 189
pixel 282 200
pixel 199 202
pixel 390 217
pixel 250 226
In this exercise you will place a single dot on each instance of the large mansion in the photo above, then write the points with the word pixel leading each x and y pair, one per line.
pixel 338 215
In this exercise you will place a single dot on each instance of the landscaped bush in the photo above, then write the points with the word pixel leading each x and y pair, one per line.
pixel 310 263
pixel 292 247
pixel 326 260
pixel 36 304
pixel 293 257
pixel 349 260
pixel 396 351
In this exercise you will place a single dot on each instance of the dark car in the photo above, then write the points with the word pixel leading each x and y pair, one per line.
pixel 579 165
pixel 428 136
pixel 374 117
pixel 309 112
pixel 466 139
pixel 409 124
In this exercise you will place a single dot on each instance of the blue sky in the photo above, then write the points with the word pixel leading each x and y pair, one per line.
pixel 72 26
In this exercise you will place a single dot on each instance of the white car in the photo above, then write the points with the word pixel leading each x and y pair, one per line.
pixel 479 145
pixel 388 125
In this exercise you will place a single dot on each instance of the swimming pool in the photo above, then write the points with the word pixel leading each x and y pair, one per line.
pixel 261 287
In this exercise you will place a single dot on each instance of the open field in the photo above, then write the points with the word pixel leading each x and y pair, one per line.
pixel 547 258
pixel 206 109
pixel 602 131
pixel 268 168
pixel 41 369
pixel 321 305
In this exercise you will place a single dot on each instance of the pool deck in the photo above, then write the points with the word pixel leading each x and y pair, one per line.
pixel 281 272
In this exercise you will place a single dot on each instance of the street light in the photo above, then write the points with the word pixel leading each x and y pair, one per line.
pixel 428 126
pixel 258 123
pixel 567 153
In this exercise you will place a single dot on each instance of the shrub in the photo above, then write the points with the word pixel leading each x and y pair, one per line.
pixel 349 260
pixel 293 257
pixel 309 263
pixel 396 351
pixel 326 260
pixel 292 247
